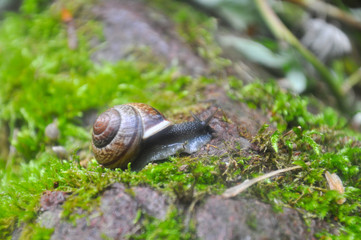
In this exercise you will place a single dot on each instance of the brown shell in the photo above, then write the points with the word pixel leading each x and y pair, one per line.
pixel 119 132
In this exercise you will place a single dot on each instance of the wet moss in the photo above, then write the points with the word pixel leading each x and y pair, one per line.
pixel 42 78
pixel 318 143
pixel 172 227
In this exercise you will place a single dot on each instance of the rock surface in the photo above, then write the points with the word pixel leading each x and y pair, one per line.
pixel 249 219
pixel 129 27
pixel 115 218
pixel 216 218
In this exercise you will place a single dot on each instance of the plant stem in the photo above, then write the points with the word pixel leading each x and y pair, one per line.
pixel 281 32
pixel 351 81
pixel 329 10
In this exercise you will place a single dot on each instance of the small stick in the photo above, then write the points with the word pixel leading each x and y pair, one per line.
pixel 233 191
pixel 352 80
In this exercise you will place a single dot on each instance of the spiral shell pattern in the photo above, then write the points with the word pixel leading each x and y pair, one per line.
pixel 118 133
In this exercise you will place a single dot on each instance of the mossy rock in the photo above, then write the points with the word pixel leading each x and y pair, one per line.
pixel 161 53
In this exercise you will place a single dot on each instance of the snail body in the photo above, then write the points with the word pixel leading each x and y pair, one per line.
pixel 137 133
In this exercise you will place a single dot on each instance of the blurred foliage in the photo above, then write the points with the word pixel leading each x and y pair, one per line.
pixel 239 14
pixel 196 29
pixel 331 72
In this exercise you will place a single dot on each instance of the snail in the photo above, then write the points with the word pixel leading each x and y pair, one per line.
pixel 137 133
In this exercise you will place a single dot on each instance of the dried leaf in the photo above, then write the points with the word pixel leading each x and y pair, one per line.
pixel 335 183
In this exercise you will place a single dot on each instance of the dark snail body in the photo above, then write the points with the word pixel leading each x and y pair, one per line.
pixel 139 134
pixel 184 137
pixel 180 132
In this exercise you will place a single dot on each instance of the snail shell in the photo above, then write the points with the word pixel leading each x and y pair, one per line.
pixel 118 132
pixel 138 133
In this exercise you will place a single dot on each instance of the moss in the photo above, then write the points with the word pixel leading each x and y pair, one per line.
pixel 35 232
pixel 85 185
pixel 42 79
pixel 172 227
pixel 287 110
pixel 252 222
pixel 317 142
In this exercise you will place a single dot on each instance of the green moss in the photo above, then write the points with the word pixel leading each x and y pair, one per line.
pixel 35 232
pixel 317 142
pixel 172 227
pixel 23 192
pixel 252 222
pixel 287 110
pixel 33 6
pixel 42 80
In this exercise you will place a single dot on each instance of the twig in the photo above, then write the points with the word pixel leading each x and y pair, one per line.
pixel 351 81
pixel 281 32
pixel 233 191
pixel 329 10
